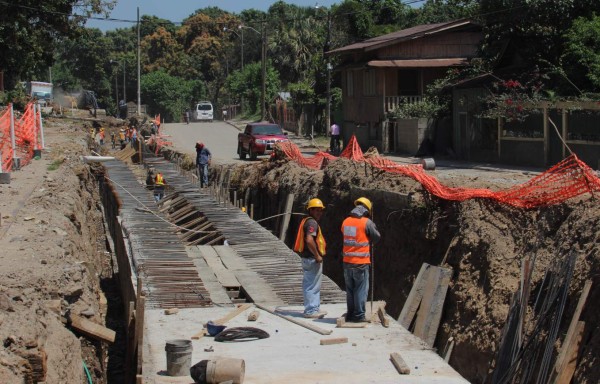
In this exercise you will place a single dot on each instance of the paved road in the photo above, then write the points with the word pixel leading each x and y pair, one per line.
pixel 219 137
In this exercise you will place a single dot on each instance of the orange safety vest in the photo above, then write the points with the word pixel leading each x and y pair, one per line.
pixel 299 245
pixel 159 179
pixel 356 242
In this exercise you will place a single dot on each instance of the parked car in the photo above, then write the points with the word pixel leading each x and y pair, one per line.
pixel 204 111
pixel 259 139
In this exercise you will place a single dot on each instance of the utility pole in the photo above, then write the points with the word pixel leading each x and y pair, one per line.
pixel 139 97
pixel 124 97
pixel 264 72
pixel 327 47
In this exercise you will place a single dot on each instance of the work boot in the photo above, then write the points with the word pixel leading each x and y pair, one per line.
pixel 315 315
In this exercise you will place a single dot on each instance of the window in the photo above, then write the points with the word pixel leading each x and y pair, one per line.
pixel 408 82
pixel 369 82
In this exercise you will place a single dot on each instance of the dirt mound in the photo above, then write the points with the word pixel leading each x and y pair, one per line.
pixel 51 263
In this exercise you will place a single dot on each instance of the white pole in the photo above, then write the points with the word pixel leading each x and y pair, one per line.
pixel 34 122
pixel 1 171
pixel 12 132
pixel 139 97
pixel 42 129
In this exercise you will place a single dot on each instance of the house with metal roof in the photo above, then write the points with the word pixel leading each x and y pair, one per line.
pixel 380 73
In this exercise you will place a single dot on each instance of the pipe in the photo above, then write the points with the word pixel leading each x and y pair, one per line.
pixel 99 159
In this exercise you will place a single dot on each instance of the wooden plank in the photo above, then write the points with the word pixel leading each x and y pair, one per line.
pixel 375 305
pixel 352 325
pixel 561 360
pixel 572 350
pixel 430 310
pixel 413 300
pixel 384 320
pixel 200 334
pixel 289 203
pixel 336 340
pixel 306 325
pixel 399 363
pixel 232 314
pixel 91 329
pixel 224 276
pixel 139 331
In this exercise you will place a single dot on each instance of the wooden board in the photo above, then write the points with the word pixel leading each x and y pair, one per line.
pixel 93 330
pixel 304 324
pixel 409 310
pixel 232 314
pixel 399 363
pixel 225 276
pixel 430 310
pixel 572 350
pixel 336 340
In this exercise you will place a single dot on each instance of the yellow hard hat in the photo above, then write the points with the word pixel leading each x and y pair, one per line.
pixel 364 201
pixel 315 203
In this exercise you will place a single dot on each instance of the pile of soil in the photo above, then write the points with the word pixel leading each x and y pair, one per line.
pixel 52 263
pixel 482 241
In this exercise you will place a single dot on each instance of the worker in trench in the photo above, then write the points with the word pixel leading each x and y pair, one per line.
pixel 310 246
pixel 360 233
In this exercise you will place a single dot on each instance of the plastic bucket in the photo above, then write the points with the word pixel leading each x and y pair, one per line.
pixel 224 369
pixel 179 357
pixel 37 154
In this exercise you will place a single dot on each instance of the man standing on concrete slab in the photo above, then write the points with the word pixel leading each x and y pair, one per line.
pixel 360 232
pixel 310 245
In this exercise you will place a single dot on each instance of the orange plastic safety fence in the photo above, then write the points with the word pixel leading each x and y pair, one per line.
pixel 5 141
pixel 567 179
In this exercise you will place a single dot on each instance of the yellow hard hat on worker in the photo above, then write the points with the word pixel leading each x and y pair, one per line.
pixel 315 203
pixel 364 201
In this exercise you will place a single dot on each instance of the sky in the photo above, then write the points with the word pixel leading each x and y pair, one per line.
pixel 177 10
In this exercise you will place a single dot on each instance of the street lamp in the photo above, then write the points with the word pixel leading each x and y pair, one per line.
pixel 329 68
pixel 113 62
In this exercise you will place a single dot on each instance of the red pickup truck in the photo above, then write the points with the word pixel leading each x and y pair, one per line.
pixel 259 139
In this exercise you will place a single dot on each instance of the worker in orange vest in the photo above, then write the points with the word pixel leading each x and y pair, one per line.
pixel 310 245
pixel 159 186
pixel 360 233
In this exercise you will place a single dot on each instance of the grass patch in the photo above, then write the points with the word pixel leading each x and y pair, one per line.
pixel 55 164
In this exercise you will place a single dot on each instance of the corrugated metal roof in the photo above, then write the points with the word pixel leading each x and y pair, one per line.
pixel 399 36
pixel 420 63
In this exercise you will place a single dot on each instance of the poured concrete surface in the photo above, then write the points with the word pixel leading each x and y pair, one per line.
pixel 292 353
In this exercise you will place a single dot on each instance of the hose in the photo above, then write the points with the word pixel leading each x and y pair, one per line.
pixel 241 334
pixel 87 372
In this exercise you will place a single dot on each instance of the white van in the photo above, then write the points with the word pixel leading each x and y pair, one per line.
pixel 204 111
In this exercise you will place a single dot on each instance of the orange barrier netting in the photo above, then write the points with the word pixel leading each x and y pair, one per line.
pixel 567 179
pixel 5 142
pixel 26 130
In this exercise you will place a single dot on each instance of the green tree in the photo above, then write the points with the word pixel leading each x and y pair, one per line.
pixel 248 83
pixel 439 11
pixel 169 95
pixel 582 53
pixel 30 30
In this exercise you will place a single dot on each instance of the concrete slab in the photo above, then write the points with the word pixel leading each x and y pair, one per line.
pixel 293 354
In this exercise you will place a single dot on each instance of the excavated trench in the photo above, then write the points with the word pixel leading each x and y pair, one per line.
pixel 483 242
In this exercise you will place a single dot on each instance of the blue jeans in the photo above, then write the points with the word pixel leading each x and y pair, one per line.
pixel 159 193
pixel 356 278
pixel 203 174
pixel 311 284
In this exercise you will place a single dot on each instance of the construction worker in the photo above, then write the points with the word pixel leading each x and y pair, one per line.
pixel 360 233
pixel 310 246
pixel 113 140
pixel 159 186
pixel 102 135
pixel 122 138
pixel 203 158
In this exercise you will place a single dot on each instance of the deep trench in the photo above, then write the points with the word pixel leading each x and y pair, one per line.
pixel 425 230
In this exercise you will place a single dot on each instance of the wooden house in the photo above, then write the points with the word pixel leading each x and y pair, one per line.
pixel 380 73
